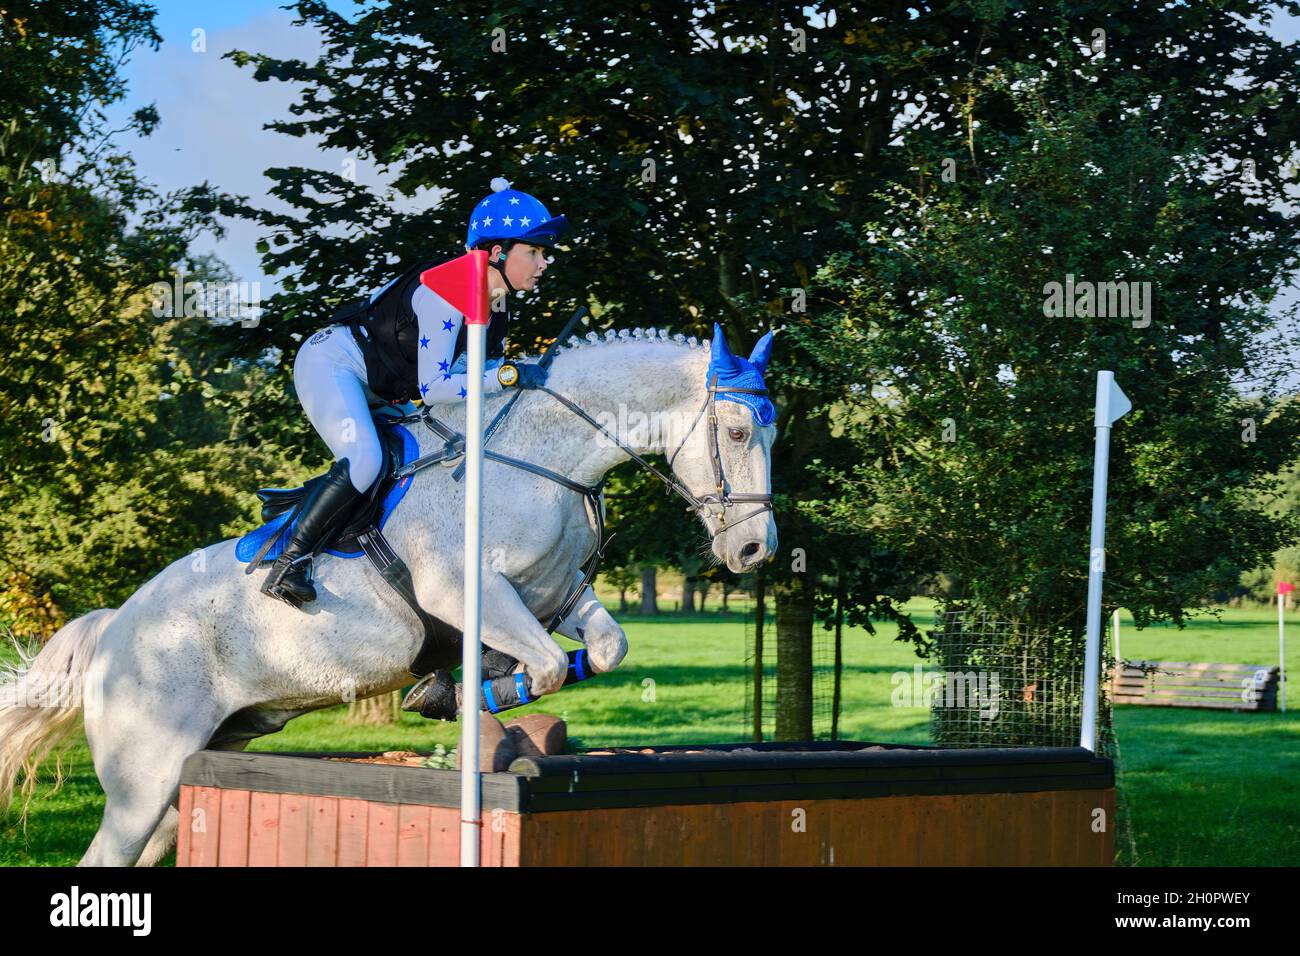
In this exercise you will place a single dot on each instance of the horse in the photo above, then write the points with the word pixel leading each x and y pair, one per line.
pixel 199 658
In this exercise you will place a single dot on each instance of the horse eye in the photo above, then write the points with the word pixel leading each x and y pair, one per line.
pixel 736 434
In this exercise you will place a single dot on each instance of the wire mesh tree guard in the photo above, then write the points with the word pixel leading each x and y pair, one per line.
pixel 999 683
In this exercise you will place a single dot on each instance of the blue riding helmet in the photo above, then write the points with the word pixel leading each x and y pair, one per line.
pixel 510 214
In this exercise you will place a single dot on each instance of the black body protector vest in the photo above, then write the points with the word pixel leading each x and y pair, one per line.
pixel 388 331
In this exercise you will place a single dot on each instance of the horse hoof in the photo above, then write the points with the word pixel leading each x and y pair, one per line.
pixel 433 697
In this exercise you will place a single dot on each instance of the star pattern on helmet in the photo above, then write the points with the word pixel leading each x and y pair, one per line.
pixel 507 221
pixel 524 222
pixel 487 220
pixel 514 200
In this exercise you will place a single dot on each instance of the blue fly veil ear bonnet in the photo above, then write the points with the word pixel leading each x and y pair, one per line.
pixel 732 371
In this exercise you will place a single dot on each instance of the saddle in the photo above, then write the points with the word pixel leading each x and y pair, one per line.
pixel 369 509
pixel 361 530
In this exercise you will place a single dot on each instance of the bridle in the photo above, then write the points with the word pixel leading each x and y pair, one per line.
pixel 721 496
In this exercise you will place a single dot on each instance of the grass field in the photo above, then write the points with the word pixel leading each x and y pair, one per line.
pixel 1196 788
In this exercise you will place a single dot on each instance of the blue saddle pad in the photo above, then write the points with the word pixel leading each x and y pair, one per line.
pixel 252 542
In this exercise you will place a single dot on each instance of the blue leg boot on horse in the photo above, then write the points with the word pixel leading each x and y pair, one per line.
pixel 437 696
pixel 323 511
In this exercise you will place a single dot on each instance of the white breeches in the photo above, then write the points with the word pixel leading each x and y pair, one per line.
pixel 329 374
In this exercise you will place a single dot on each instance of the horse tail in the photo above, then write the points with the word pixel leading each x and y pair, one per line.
pixel 41 700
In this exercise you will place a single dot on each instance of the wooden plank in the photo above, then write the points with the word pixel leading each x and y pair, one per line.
pixel 183 839
pixel 444 836
pixel 1016 829
pixel 264 829
pixel 354 818
pixel 232 848
pixel 280 773
pixel 1190 680
pixel 938 831
pixel 718 821
pixel 323 831
pixel 1180 702
pixel 291 848
pixel 981 833
pixel 1103 848
pixel 771 821
pixel 1199 666
pixel 412 835
pixel 501 839
pixel 567 782
pixel 205 826
pixel 1200 683
pixel 1042 836
pixel 1071 819
pixel 381 835
pixel 492 845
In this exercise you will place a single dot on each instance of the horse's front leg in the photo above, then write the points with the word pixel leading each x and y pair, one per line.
pixel 591 623
pixel 508 626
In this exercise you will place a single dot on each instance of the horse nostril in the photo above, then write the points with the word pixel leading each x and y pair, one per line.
pixel 750 549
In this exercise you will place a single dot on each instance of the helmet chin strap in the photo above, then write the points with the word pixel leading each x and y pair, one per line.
pixel 498 263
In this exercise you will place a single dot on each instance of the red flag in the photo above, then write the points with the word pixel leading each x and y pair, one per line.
pixel 1284 588
pixel 463 283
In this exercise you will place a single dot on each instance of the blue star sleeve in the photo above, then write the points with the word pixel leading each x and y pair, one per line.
pixel 439 325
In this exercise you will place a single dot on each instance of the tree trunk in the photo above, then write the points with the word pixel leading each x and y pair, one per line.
pixel 794 630
pixel 622 600
pixel 375 711
pixel 688 594
pixel 649 586
pixel 728 272
pixel 702 588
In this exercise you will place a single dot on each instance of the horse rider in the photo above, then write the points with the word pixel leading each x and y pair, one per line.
pixel 404 342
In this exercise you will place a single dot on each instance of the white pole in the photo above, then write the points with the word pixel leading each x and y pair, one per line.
pixel 1119 661
pixel 1281 651
pixel 471 678
pixel 1115 622
pixel 1110 406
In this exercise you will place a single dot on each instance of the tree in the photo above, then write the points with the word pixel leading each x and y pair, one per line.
pixel 114 465
pixel 973 405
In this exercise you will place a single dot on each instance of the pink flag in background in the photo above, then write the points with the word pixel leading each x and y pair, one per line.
pixel 1284 588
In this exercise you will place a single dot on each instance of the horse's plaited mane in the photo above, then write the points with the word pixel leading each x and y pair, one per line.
pixel 613 336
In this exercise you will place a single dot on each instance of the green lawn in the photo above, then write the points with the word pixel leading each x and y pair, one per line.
pixel 1197 788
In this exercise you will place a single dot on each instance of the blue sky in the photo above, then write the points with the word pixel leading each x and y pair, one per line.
pixel 212 112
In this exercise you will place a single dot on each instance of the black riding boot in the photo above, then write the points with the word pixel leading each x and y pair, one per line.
pixel 326 506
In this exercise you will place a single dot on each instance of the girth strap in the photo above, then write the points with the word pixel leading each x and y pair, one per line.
pixel 441 640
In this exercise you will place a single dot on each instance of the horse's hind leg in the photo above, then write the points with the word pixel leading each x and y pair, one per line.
pixel 138 757
pixel 163 839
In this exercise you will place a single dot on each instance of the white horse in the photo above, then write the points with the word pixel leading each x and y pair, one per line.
pixel 198 657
